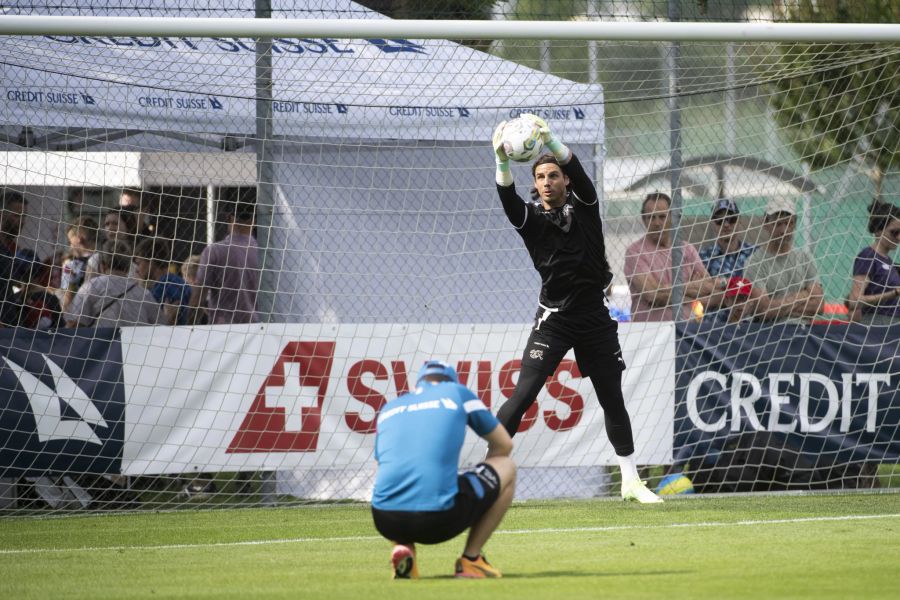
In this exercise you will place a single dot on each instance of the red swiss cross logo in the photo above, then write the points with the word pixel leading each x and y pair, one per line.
pixel 287 412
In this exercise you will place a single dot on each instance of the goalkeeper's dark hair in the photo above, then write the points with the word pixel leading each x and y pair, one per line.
pixel 880 214
pixel 544 159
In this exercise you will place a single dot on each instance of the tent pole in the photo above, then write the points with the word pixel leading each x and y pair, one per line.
pixel 264 180
pixel 210 213
pixel 264 170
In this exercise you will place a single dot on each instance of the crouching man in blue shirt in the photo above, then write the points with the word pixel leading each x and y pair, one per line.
pixel 419 497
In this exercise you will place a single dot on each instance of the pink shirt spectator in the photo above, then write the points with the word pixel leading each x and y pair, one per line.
pixel 229 271
pixel 644 256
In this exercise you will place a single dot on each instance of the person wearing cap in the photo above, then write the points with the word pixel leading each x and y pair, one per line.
pixel 727 256
pixel 648 268
pixel 419 497
pixel 785 281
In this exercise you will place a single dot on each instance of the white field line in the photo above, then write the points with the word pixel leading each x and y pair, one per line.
pixel 304 540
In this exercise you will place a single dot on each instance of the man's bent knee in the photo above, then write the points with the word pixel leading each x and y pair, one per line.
pixel 505 468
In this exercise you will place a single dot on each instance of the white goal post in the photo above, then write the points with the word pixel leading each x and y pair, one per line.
pixel 447 29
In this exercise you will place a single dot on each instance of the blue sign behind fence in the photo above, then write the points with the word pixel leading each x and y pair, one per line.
pixel 827 393
pixel 62 403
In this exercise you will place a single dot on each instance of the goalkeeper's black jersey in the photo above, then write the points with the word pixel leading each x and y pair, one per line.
pixel 565 243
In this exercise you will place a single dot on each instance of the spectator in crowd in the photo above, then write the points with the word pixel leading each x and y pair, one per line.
pixel 15 261
pixel 82 235
pixel 189 272
pixel 119 226
pixel 136 202
pixel 419 495
pixel 785 281
pixel 112 298
pixel 648 268
pixel 228 274
pixel 875 291
pixel 727 256
pixel 227 284
pixel 56 265
pixel 189 269
pixel 198 486
pixel 151 261
pixel 34 305
pixel 13 206
pixel 13 209
pixel 6 262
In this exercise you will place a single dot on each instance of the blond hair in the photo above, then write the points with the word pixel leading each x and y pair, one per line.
pixel 190 266
pixel 87 229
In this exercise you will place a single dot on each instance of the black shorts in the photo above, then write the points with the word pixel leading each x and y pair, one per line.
pixel 592 333
pixel 478 490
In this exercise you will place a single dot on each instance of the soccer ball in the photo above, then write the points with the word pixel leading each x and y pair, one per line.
pixel 522 140
pixel 675 484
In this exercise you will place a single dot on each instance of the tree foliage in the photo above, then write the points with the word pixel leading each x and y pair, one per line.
pixel 432 9
pixel 471 10
pixel 841 102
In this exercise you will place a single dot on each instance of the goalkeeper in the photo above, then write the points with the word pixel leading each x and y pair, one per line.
pixel 564 236
pixel 418 495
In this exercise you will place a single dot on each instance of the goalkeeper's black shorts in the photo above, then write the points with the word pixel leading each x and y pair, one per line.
pixel 591 332
pixel 478 490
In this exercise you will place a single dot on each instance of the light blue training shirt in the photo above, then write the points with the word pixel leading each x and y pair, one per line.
pixel 418 442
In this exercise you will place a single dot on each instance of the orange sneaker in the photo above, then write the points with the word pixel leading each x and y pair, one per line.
pixel 475 569
pixel 403 559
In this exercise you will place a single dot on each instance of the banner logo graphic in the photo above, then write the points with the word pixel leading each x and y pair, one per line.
pixel 397 45
pixel 48 413
pixel 286 414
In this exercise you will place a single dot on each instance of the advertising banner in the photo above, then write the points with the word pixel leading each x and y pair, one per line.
pixel 287 396
pixel 826 393
pixel 62 404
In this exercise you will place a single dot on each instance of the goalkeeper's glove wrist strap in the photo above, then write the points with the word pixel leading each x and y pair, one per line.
pixel 559 150
pixel 503 176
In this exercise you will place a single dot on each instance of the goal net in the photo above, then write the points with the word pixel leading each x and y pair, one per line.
pixel 222 256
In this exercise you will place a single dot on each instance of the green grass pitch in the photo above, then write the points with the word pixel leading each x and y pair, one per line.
pixel 796 546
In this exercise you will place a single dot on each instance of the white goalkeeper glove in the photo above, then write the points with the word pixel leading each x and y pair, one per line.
pixel 502 176
pixel 559 150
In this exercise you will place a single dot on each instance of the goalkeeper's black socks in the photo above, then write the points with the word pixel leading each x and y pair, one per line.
pixel 471 558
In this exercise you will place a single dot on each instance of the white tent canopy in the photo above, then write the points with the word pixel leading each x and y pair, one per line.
pixel 374 88
pixel 383 206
